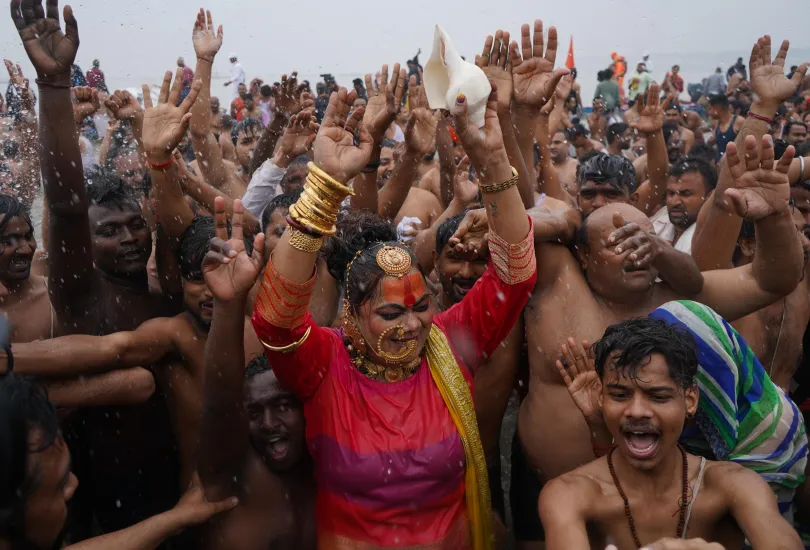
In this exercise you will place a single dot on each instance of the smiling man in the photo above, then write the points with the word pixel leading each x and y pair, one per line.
pixel 24 299
pixel 648 487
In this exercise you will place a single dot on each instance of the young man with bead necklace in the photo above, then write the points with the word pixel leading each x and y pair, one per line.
pixel 648 488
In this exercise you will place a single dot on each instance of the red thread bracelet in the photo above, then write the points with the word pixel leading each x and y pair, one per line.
pixel 161 166
pixel 760 117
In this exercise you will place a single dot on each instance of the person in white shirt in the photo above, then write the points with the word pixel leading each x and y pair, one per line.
pixel 237 76
pixel 276 176
pixel 690 183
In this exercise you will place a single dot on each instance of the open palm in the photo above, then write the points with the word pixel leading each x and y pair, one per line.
pixel 206 39
pixel 165 124
pixel 464 189
pixel 51 51
pixel 384 101
pixel 335 151
pixel 580 376
pixel 768 78
pixel 228 269
pixel 651 112
pixel 533 75
pixel 494 61
pixel 761 186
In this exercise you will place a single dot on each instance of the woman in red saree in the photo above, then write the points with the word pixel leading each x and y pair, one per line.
pixel 387 398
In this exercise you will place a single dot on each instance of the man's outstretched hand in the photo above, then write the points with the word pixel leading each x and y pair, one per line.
pixel 51 51
pixel 206 39
pixel 761 186
pixel 768 78
pixel 165 124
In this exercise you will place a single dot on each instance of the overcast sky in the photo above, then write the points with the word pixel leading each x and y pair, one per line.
pixel 140 39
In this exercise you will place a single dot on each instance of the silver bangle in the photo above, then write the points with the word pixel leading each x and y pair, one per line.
pixel 801 169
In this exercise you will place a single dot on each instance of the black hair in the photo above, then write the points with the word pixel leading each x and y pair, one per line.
pixel 244 126
pixel 11 207
pixel 668 128
pixel 692 164
pixel 104 188
pixel 24 406
pixel 803 149
pixel 356 230
pixel 266 90
pixel 257 365
pixel 600 76
pixel 719 100
pixel 249 96
pixel 702 151
pixel 388 143
pixel 628 345
pixel 194 246
pixel 614 170
pixel 285 200
pixel 226 120
pixel 446 230
pixel 615 131
pixel 575 131
pixel 791 123
pixel 608 73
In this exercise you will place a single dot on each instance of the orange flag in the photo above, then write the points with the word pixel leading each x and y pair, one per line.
pixel 569 63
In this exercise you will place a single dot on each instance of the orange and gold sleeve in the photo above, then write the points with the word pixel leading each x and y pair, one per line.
pixel 281 302
pixel 513 263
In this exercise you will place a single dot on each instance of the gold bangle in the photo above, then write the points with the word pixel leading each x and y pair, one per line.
pixel 491 188
pixel 305 243
pixel 299 214
pixel 330 182
pixel 288 348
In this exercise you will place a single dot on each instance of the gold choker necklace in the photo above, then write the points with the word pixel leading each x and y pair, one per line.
pixel 390 373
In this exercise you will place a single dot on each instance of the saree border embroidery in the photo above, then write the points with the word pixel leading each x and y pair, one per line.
pixel 513 263
pixel 458 398
pixel 281 302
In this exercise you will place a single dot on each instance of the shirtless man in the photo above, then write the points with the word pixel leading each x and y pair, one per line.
pixel 613 278
pixel 252 438
pixel 23 298
pixel 251 110
pixel 37 483
pixel 564 163
pixel 774 332
pixel 216 117
pixel 97 278
pixel 648 488
pixel 619 137
pixel 577 135
pixel 673 114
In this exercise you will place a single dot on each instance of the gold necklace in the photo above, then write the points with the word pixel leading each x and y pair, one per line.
pixel 391 374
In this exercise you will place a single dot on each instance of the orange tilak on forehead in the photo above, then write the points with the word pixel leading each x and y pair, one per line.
pixel 405 291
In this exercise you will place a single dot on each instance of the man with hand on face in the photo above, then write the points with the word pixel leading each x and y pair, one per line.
pixel 642 382
pixel 691 182
pixel 36 483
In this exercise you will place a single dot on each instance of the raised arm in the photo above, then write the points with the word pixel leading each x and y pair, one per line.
pixel 535 81
pixel 760 194
pixel 125 107
pixel 718 225
pixel 164 126
pixel 71 275
pixel 230 274
pixel 651 193
pixel 298 349
pixel 207 41
pixel 384 102
pixel 27 184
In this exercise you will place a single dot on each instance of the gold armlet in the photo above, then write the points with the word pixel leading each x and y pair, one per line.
pixel 290 347
pixel 498 187
pixel 305 243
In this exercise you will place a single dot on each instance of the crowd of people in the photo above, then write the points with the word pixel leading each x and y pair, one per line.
pixel 297 319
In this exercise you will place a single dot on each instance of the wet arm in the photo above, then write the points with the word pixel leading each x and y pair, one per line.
pixel 424 243
pixel 146 535
pixel 560 507
pixel 678 269
pixel 172 210
pixel 518 139
pixel 393 194
pixel 652 192
pixel 71 278
pixel 196 188
pixel 267 142
pixel 117 387
pixel 212 167
pixel 365 186
pixel 447 162
pixel 224 433
pixel 81 355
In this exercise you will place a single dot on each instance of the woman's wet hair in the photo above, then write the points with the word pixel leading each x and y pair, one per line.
pixel 628 346
pixel 194 246
pixel 24 407
pixel 360 231
pixel 105 188
pixel 10 208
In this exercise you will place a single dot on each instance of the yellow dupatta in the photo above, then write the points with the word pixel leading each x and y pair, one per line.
pixel 458 398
